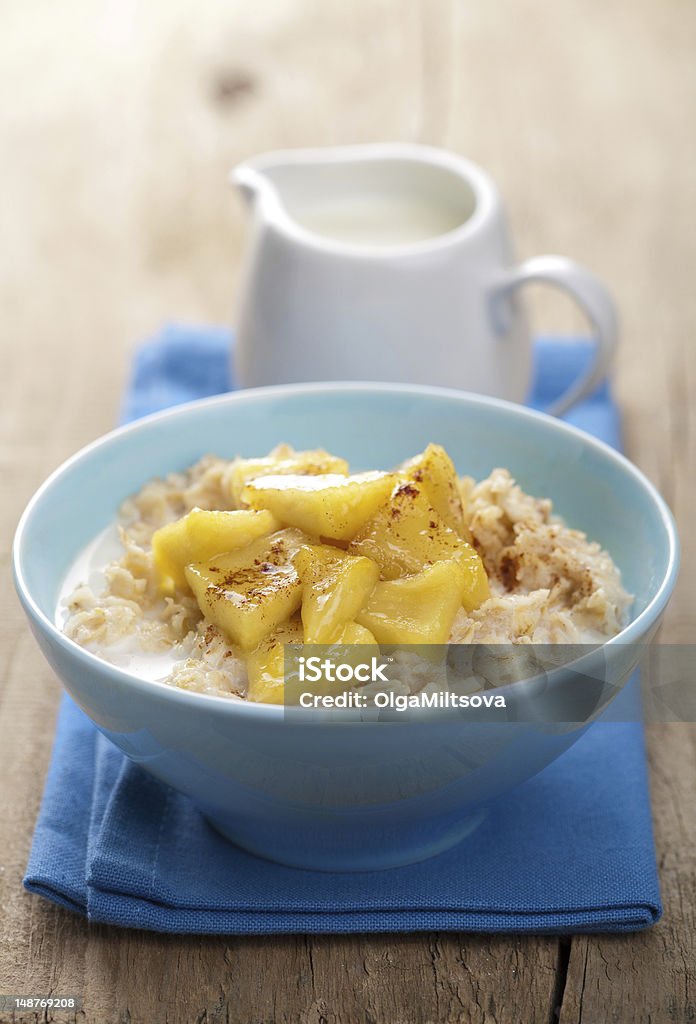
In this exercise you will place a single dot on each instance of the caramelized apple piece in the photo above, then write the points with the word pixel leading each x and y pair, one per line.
pixel 417 609
pixel 249 593
pixel 328 505
pixel 281 462
pixel 335 587
pixel 475 588
pixel 266 664
pixel 170 550
pixel 407 534
pixel 434 471
pixel 199 535
pixel 352 633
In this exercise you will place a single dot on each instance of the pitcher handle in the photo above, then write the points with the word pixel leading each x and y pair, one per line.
pixel 595 302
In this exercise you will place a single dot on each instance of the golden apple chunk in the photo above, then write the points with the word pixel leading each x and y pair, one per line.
pixel 336 586
pixel 417 609
pixel 266 664
pixel 434 471
pixel 201 534
pixel 282 461
pixel 249 593
pixel 352 633
pixel 407 534
pixel 327 505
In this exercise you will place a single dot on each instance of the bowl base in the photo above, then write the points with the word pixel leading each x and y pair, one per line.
pixel 323 850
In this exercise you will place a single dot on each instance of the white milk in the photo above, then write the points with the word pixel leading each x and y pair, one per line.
pixel 88 568
pixel 377 218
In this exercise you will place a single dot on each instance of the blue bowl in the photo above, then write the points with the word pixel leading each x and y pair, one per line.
pixel 338 794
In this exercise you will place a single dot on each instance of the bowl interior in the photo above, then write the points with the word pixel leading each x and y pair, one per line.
pixel 373 426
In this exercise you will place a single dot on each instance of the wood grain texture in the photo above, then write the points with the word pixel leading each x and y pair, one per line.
pixel 119 122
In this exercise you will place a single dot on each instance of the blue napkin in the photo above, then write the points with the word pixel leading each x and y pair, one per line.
pixel 570 850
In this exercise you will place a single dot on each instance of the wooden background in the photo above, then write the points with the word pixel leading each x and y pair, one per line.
pixel 119 122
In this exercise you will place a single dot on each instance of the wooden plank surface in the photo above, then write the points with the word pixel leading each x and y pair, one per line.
pixel 119 122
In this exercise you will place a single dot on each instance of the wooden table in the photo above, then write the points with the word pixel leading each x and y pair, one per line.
pixel 119 124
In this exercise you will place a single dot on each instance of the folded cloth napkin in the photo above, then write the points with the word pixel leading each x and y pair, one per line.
pixel 570 850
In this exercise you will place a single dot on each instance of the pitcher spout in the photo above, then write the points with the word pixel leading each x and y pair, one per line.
pixel 384 199
pixel 249 182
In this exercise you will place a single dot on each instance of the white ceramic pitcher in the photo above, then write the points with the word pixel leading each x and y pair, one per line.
pixel 393 262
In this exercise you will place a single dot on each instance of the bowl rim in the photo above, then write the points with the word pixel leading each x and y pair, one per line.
pixel 630 634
